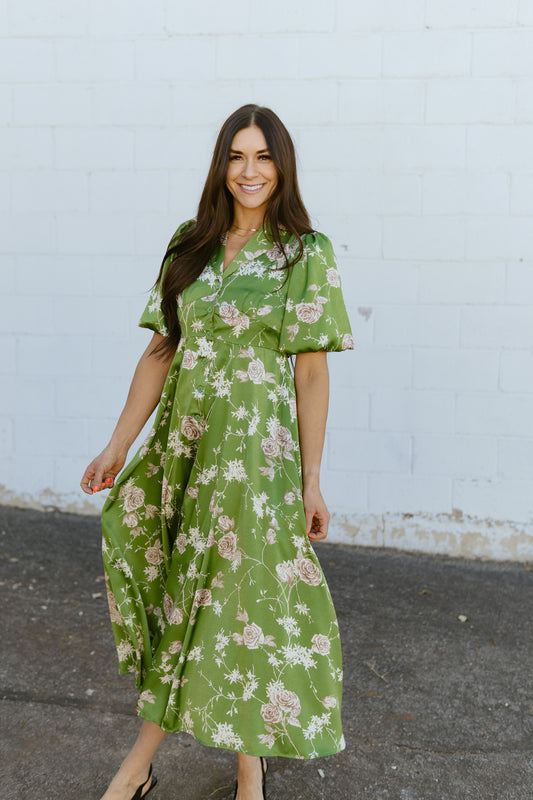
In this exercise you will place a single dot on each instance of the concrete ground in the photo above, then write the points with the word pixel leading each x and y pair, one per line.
pixel 434 708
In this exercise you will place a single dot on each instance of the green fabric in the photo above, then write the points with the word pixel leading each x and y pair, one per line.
pixel 217 598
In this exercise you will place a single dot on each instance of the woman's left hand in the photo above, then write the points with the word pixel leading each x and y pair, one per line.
pixel 316 514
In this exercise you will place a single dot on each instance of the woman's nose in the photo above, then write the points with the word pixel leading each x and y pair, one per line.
pixel 249 168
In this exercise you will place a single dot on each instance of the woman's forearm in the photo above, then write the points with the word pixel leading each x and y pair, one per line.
pixel 311 379
pixel 143 396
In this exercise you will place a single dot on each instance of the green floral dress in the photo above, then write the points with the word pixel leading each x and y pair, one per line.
pixel 217 599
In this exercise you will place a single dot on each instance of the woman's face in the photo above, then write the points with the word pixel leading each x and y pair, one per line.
pixel 252 175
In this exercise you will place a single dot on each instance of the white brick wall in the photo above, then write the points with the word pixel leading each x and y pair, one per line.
pixel 413 127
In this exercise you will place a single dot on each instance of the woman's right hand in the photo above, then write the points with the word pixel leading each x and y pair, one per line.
pixel 102 471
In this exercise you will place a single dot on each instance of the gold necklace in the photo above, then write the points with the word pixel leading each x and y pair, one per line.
pixel 243 231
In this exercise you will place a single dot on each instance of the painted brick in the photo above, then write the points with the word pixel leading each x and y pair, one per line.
pixel 470 100
pixel 225 97
pixel 24 60
pixel 25 148
pixel 377 367
pixel 465 192
pixel 22 398
pixel 5 194
pixel 509 500
pixel 462 282
pixel 101 148
pixel 451 368
pixel 502 52
pixel 300 16
pixel 359 238
pixel 82 234
pixel 184 194
pixel 517 370
pixel 412 411
pixel 36 190
pixel 379 15
pixel 95 60
pixel 493 237
pixel 425 53
pixel 423 148
pixel 361 148
pixel 127 18
pixel 369 451
pixel 53 275
pixel 461 456
pixel 173 59
pixel 317 100
pixel 344 491
pixel 514 458
pixel 36 231
pixel 525 12
pixel 88 397
pixel 150 231
pixel 26 475
pixel 265 56
pixel 424 325
pixel 126 190
pixel 56 105
pixel 499 147
pixel 173 148
pixel 494 414
pixel 6 436
pixel 8 354
pixel 348 56
pixel 54 355
pixel 380 281
pixel 55 18
pixel 6 105
pixel 409 494
pixel 431 238
pixel 458 14
pixel 187 18
pixel 500 326
pixel 348 408
pixel 404 100
pixel 519 283
pixel 522 193
pixel 41 436
pixel 79 314
pixel 132 104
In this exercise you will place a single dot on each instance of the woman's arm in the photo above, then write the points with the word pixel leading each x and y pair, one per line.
pixel 311 379
pixel 144 395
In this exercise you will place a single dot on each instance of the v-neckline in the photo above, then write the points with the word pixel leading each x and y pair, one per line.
pixel 237 257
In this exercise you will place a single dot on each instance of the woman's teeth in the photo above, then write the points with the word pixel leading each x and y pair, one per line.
pixel 252 189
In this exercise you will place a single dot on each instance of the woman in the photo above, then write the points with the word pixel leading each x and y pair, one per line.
pixel 217 599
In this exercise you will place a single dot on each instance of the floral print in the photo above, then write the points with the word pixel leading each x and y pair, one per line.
pixel 217 599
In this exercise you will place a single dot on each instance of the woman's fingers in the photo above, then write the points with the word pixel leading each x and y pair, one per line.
pixel 317 522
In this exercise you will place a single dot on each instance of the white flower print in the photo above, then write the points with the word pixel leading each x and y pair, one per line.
pixel 321 644
pixel 333 277
pixel 308 312
pixel 190 359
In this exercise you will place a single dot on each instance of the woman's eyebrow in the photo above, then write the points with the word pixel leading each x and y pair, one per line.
pixel 240 153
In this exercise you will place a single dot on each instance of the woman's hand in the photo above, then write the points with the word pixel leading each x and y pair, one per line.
pixel 102 471
pixel 316 514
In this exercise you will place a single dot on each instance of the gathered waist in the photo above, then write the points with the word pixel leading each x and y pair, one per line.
pixel 206 345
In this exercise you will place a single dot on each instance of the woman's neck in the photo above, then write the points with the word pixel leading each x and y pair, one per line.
pixel 247 222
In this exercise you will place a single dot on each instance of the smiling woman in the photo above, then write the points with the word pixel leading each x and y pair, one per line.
pixel 218 602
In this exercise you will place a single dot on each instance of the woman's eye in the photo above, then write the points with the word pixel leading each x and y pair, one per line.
pixel 265 157
pixel 233 158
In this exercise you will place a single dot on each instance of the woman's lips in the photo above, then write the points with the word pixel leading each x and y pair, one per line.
pixel 252 189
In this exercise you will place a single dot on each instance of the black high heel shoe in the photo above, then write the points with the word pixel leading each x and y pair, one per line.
pixel 139 793
pixel 263 771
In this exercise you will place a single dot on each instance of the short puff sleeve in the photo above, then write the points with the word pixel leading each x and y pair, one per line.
pixel 152 316
pixel 315 315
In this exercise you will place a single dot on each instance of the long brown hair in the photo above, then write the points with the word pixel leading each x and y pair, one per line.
pixel 186 258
